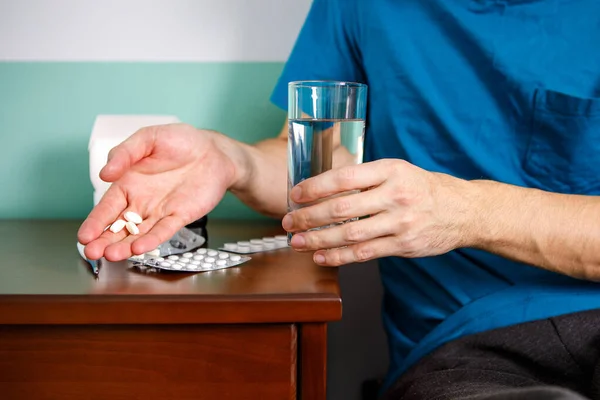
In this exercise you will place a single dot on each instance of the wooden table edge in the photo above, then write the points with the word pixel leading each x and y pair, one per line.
pixel 168 309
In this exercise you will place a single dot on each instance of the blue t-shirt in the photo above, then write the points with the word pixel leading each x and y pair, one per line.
pixel 507 90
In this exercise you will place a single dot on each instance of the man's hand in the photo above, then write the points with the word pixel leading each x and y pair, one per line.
pixel 413 213
pixel 171 175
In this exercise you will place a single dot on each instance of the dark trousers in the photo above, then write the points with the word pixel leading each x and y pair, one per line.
pixel 556 358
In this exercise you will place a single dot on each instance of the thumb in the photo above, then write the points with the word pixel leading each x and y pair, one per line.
pixel 129 152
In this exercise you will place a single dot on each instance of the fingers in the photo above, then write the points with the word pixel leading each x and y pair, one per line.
pixel 161 232
pixel 126 154
pixel 122 245
pixel 344 235
pixel 360 252
pixel 105 213
pixel 96 247
pixel 344 179
pixel 334 210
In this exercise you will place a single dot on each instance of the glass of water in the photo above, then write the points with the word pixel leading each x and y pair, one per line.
pixel 326 129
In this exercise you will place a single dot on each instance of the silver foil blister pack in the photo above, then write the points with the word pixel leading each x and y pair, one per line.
pixel 257 245
pixel 200 260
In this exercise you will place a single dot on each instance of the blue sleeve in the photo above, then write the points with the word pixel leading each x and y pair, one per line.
pixel 325 49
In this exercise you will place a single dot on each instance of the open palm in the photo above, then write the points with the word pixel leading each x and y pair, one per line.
pixel 171 175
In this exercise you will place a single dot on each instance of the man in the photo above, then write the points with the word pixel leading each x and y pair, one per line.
pixel 483 132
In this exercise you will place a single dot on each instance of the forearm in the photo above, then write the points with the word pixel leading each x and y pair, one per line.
pixel 557 232
pixel 260 173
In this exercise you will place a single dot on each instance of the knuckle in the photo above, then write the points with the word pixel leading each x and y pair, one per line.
pixel 314 241
pixel 362 253
pixel 341 208
pixel 354 233
pixel 335 258
pixel 345 174
pixel 301 219
pixel 309 189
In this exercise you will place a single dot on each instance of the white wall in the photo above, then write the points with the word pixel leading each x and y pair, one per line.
pixel 149 30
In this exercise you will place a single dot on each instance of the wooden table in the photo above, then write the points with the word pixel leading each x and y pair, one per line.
pixel 256 331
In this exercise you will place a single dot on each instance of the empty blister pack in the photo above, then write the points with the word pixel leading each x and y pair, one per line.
pixel 257 245
pixel 183 241
pixel 199 261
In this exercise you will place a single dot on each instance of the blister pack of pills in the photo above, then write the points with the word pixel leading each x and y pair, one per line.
pixel 183 241
pixel 199 261
pixel 257 245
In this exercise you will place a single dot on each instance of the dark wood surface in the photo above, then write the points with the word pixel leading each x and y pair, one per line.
pixel 44 281
pixel 313 348
pixel 148 362
pixel 256 331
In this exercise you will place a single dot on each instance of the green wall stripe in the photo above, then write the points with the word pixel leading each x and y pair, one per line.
pixel 47 111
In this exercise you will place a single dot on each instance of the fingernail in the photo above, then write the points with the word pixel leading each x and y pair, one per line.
pixel 319 258
pixel 296 193
pixel 298 241
pixel 287 222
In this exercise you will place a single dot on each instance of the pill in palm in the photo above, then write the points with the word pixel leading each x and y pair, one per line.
pixel 134 217
pixel 117 226
pixel 132 228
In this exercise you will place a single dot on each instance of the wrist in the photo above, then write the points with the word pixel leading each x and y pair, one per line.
pixel 235 157
pixel 466 213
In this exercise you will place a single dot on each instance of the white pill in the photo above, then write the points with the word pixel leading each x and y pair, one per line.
pixel 188 255
pixel 133 217
pixel 256 247
pixel 154 253
pixel 195 262
pixel 165 264
pixel 243 244
pixel 173 258
pixel 178 266
pixel 132 228
pixel 201 251
pixel 191 266
pixel 160 259
pixel 184 260
pixel 256 241
pixel 212 253
pixel 281 238
pixel 244 249
pixel 269 246
pixel 221 262
pixel 268 239
pixel 209 259
pixel 223 256
pixel 235 257
pixel 207 266
pixel 117 226
pixel 230 246
pixel 198 257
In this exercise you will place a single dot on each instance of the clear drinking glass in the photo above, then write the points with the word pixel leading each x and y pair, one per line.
pixel 326 129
